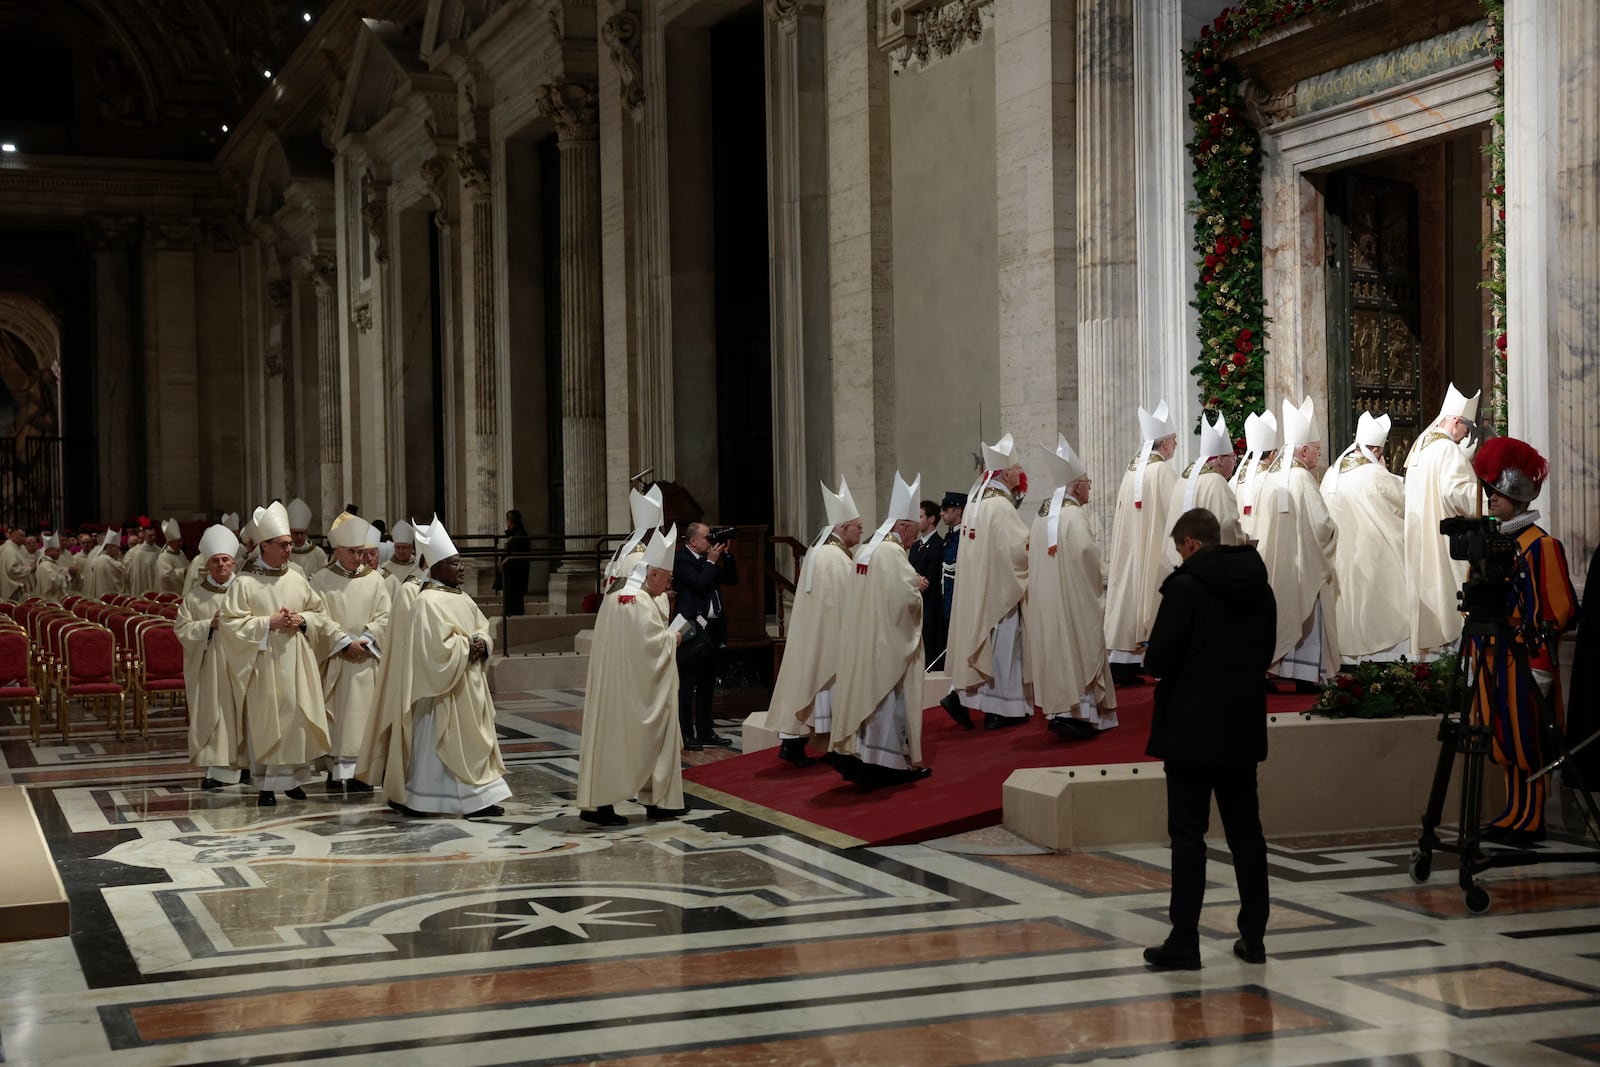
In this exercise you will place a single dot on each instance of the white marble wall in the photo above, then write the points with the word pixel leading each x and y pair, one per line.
pixel 860 252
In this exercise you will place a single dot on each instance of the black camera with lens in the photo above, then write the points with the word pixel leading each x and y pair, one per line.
pixel 721 535
pixel 1491 559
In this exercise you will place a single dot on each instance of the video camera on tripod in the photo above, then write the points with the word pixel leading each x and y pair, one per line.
pixel 1491 559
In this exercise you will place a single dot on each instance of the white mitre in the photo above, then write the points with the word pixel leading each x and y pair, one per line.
pixel 1455 404
pixel 170 530
pixel 1370 433
pixel 1214 441
pixel 903 500
pixel 1297 424
pixel 348 531
pixel 658 554
pixel 433 541
pixel 218 540
pixel 299 513
pixel 1063 467
pixel 1153 426
pixel 270 521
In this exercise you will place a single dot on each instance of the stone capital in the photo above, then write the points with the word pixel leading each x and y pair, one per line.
pixel 106 232
pixel 322 270
pixel 624 37
pixel 574 107
pixel 374 201
pixel 278 293
pixel 433 171
pixel 926 31
pixel 473 169
pixel 361 315
pixel 784 12
pixel 172 234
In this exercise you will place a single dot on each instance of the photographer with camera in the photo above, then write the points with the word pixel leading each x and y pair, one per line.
pixel 701 565
pixel 1541 604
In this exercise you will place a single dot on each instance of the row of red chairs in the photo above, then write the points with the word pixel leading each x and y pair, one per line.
pixel 16 678
pixel 100 652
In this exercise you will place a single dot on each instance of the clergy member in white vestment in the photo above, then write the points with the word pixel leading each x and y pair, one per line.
pixel 215 738
pixel 1064 658
pixel 631 740
pixel 16 566
pixel 308 556
pixel 357 601
pixel 107 574
pixel 372 550
pixel 984 648
pixel 1439 485
pixel 1296 538
pixel 1368 505
pixel 404 563
pixel 1260 449
pixel 802 695
pixel 140 562
pixel 1204 484
pixel 49 576
pixel 77 562
pixel 877 709
pixel 197 566
pixel 646 509
pixel 272 622
pixel 443 755
pixel 1138 559
pixel 171 564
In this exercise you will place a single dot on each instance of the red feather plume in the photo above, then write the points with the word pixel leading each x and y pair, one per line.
pixel 1499 453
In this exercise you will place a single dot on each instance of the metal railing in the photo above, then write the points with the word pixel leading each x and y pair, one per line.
pixel 32 481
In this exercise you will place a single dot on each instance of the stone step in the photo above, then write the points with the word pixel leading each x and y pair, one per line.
pixel 758 735
pixel 540 670
pixel 33 903
pixel 539 633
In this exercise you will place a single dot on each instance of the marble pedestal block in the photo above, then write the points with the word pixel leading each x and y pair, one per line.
pixel 567 590
pixel 1320 776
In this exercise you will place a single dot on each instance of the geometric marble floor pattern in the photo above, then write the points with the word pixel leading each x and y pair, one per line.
pixel 206 930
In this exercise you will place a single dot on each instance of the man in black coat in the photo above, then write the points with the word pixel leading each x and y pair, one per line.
pixel 926 556
pixel 1210 647
pixel 697 570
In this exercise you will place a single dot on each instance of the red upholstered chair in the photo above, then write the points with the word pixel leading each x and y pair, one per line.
pixel 168 612
pixel 159 672
pixel 70 601
pixel 89 674
pixel 16 686
pixel 50 653
pixel 167 598
pixel 8 609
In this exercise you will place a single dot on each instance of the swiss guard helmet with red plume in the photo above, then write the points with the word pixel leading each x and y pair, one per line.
pixel 1512 468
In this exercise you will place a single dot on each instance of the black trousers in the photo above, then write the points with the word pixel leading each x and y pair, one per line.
pixel 1190 787
pixel 697 686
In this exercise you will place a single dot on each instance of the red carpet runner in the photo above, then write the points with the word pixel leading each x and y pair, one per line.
pixel 969 770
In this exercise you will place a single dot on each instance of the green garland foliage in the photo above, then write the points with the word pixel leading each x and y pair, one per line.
pixel 1389 690
pixel 1496 151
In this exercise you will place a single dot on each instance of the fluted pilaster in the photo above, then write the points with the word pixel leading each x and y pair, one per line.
pixel 1109 379
pixel 572 106
pixel 322 272
pixel 1575 296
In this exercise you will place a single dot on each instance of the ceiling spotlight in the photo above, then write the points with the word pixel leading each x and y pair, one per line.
pixel 224 127
pixel 266 74
pixel 8 147
pixel 306 15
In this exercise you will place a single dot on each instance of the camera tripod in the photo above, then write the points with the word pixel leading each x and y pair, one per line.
pixel 1465 732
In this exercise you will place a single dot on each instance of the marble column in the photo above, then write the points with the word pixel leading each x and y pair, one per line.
pixel 1035 162
pixel 117 392
pixel 1531 195
pixel 572 106
pixel 171 374
pixel 1575 296
pixel 322 272
pixel 1110 383
pixel 860 252
pixel 798 223
pixel 484 504
pixel 1165 265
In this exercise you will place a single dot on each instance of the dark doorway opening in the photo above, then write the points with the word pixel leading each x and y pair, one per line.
pixel 739 223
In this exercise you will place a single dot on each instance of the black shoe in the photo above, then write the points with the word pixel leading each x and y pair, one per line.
pixel 793 750
pixel 1250 951
pixel 410 813
pixel 692 745
pixel 605 815
pixel 991 721
pixel 716 741
pixel 1272 690
pixel 1521 838
pixel 1166 957
pixel 1305 688
pixel 356 785
pixel 1071 729
pixel 210 783
pixel 266 799
pixel 490 812
pixel 850 768
pixel 952 704
pixel 653 812
pixel 295 794
pixel 335 785
pixel 903 775
pixel 1493 832
pixel 244 777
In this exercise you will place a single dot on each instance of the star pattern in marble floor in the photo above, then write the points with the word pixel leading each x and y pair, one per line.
pixel 206 931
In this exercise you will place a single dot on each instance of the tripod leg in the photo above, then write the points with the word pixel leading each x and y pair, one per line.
pixel 1449 732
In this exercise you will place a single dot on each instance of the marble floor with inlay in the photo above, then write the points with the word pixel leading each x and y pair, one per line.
pixel 208 931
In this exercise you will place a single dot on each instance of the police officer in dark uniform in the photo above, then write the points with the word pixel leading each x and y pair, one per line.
pixel 950 510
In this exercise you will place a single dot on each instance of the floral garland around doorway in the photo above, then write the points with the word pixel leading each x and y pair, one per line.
pixel 1226 152
pixel 1496 242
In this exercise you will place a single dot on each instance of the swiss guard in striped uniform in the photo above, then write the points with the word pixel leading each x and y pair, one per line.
pixel 1541 593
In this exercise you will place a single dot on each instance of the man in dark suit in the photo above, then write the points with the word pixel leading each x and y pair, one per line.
pixel 926 556
pixel 697 570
